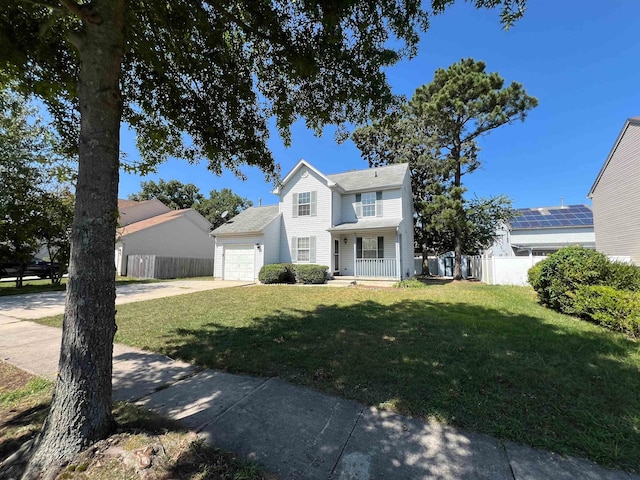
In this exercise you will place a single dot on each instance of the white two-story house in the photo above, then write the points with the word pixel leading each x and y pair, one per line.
pixel 359 224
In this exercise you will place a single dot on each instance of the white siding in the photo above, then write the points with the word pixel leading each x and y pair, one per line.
pixel 554 237
pixel 249 240
pixel 305 180
pixel 271 242
pixel 337 208
pixel 616 199
pixel 391 205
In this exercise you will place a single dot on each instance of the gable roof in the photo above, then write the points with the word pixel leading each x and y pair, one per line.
pixel 553 217
pixel 132 212
pixel 251 220
pixel 630 121
pixel 152 222
pixel 301 163
pixel 124 203
pixel 371 178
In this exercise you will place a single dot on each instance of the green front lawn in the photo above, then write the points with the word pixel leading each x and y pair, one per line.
pixel 485 358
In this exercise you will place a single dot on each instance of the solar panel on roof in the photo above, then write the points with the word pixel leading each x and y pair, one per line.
pixel 572 215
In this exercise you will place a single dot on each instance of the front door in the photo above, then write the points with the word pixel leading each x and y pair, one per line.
pixel 336 256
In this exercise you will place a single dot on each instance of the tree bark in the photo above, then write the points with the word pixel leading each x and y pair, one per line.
pixel 457 241
pixel 81 406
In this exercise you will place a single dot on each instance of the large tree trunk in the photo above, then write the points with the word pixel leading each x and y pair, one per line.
pixel 457 259
pixel 81 406
pixel 459 221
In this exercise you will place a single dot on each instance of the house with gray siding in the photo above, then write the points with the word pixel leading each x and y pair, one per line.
pixel 151 228
pixel 615 196
pixel 359 224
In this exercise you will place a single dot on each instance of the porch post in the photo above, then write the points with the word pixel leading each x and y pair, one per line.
pixel 355 260
pixel 398 266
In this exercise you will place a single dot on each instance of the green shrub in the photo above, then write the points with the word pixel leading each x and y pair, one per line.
pixel 534 274
pixel 564 271
pixel 409 283
pixel 276 273
pixel 310 274
pixel 614 309
pixel 623 276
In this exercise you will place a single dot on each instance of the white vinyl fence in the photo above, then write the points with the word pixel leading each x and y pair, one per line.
pixel 489 270
pixel 506 270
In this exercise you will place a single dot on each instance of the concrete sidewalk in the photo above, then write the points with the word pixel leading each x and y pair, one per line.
pixel 296 432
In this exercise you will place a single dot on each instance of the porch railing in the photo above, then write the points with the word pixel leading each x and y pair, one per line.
pixel 376 267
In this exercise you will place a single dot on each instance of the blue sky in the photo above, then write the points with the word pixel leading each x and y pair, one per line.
pixel 580 58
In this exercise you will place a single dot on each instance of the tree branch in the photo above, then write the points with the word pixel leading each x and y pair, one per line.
pixel 43 4
pixel 81 11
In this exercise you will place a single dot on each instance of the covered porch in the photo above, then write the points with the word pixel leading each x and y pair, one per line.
pixel 368 250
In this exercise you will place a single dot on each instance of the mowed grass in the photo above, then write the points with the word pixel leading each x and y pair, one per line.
pixel 485 358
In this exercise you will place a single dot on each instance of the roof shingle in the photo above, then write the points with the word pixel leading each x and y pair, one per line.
pixel 251 220
pixel 371 178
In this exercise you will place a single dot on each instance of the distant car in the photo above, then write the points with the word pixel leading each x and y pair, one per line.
pixel 36 267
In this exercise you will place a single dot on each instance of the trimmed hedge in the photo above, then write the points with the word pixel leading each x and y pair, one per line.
pixel 614 309
pixel 624 276
pixel 534 274
pixel 583 282
pixel 311 274
pixel 563 272
pixel 290 273
pixel 276 273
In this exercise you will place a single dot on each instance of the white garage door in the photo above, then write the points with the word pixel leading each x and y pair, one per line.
pixel 239 262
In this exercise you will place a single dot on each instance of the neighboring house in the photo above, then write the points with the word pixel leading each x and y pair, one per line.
pixel 152 228
pixel 532 235
pixel 542 231
pixel 357 223
pixel 616 197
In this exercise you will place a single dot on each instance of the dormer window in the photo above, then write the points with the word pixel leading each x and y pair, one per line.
pixel 369 204
pixel 304 204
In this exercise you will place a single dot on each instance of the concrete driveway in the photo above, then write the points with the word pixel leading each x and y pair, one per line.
pixel 39 305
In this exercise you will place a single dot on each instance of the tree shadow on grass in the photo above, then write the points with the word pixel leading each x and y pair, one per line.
pixel 553 385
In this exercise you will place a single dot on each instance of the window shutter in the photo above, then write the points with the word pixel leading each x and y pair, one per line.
pixel 358 205
pixel 378 204
pixel 294 249
pixel 312 249
pixel 359 247
pixel 295 205
pixel 313 203
pixel 380 247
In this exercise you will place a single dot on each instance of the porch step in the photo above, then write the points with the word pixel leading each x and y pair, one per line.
pixel 344 281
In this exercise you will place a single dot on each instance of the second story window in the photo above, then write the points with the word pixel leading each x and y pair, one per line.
pixel 369 204
pixel 304 204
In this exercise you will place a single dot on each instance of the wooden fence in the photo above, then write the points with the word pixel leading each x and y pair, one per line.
pixel 153 266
